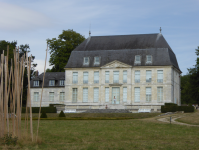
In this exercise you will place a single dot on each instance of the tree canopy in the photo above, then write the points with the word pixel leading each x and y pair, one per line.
pixel 190 84
pixel 61 48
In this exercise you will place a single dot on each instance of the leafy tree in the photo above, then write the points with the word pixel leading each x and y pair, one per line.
pixel 61 48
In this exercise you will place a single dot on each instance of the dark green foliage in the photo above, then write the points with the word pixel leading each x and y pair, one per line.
pixel 62 114
pixel 174 108
pixel 61 48
pixel 171 108
pixel 9 140
pixel 43 115
pixel 46 109
pixel 186 108
pixel 170 104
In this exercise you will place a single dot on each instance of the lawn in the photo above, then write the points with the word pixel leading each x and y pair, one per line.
pixel 114 134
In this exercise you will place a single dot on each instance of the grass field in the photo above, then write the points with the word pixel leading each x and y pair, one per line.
pixel 190 118
pixel 114 134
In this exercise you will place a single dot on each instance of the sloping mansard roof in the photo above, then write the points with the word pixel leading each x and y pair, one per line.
pixel 123 48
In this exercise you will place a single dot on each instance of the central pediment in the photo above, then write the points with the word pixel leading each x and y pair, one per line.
pixel 116 64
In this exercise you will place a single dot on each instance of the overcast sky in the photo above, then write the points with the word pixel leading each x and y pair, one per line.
pixel 32 22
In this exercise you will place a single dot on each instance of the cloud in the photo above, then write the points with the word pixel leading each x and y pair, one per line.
pixel 14 17
pixel 40 65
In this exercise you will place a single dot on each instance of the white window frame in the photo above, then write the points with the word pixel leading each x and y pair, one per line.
pixel 160 76
pixel 147 59
pixel 137 76
pixel 125 76
pixel 96 95
pixel 51 96
pixel 124 94
pixel 85 77
pixel 51 82
pixel 137 61
pixel 96 76
pixel 62 96
pixel 116 75
pixel 148 76
pixel 86 63
pixel 137 94
pixel 75 77
pixel 106 94
pixel 36 83
pixel 85 95
pixel 160 94
pixel 74 95
pixel 148 94
pixel 62 82
pixel 95 60
pixel 106 76
pixel 36 96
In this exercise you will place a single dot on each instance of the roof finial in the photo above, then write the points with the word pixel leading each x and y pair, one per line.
pixel 90 30
pixel 160 29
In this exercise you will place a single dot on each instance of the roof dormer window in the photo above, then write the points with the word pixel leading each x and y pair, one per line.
pixel 86 60
pixel 36 83
pixel 148 59
pixel 62 82
pixel 51 82
pixel 137 59
pixel 96 60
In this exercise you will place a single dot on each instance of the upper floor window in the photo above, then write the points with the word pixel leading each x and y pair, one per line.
pixel 148 59
pixel 138 59
pixel 107 77
pixel 36 83
pixel 62 82
pixel 124 76
pixel 51 96
pixel 85 77
pixel 96 60
pixel 96 77
pixel 116 77
pixel 86 60
pixel 160 76
pixel 51 82
pixel 75 77
pixel 62 96
pixel 137 76
pixel 148 76
pixel 148 94
pixel 36 96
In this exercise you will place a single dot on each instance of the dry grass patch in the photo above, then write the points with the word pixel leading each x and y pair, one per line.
pixel 190 118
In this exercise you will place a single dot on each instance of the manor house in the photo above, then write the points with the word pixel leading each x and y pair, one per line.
pixel 114 72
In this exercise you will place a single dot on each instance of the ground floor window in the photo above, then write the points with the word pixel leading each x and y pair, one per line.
pixel 96 94
pixel 74 99
pixel 148 94
pixel 160 94
pixel 106 94
pixel 124 94
pixel 137 94
pixel 62 96
pixel 51 96
pixel 85 94
pixel 36 96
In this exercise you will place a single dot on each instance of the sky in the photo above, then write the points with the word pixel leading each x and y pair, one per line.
pixel 32 22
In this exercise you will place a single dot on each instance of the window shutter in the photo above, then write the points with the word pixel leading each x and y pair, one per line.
pixel 124 94
pixel 85 94
pixel 106 94
pixel 137 94
pixel 96 94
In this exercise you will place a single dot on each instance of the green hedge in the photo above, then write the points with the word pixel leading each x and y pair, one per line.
pixel 174 108
pixel 170 104
pixel 46 109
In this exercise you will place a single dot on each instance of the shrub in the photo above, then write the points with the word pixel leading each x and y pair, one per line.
pixel 43 115
pixel 62 114
pixel 46 109
pixel 171 108
pixel 9 140
pixel 186 108
pixel 170 104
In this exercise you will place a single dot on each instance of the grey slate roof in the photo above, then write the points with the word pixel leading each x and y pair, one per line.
pixel 123 48
pixel 57 76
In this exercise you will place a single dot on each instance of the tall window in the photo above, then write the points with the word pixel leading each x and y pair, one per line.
pixel 137 76
pixel 74 99
pixel 124 76
pixel 85 77
pixel 148 94
pixel 160 76
pixel 107 77
pixel 96 94
pixel 51 96
pixel 85 94
pixel 86 60
pixel 96 77
pixel 116 77
pixel 62 96
pixel 148 76
pixel 124 94
pixel 137 59
pixel 75 77
pixel 148 59
pixel 137 94
pixel 106 94
pixel 36 83
pixel 62 82
pixel 36 96
pixel 51 82
pixel 160 94
pixel 96 60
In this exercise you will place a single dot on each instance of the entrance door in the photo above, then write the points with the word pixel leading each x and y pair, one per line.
pixel 116 94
